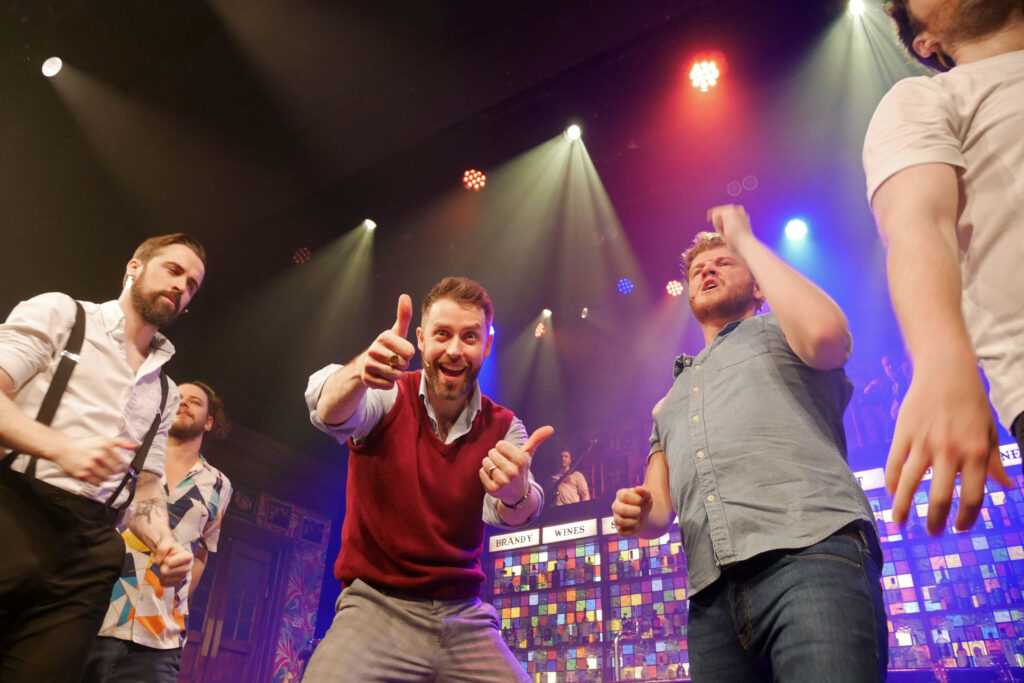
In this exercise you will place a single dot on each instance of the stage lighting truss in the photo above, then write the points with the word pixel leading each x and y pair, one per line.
pixel 474 180
pixel 704 75
pixel 540 330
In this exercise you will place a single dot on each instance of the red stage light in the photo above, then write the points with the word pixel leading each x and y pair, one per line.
pixel 674 288
pixel 301 255
pixel 540 330
pixel 474 180
pixel 704 74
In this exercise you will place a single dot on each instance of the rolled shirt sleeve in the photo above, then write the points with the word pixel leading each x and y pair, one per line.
pixel 372 408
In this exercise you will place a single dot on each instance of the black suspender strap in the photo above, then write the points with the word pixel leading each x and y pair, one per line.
pixel 141 452
pixel 69 358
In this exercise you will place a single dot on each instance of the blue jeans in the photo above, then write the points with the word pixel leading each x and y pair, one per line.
pixel 812 614
pixel 112 660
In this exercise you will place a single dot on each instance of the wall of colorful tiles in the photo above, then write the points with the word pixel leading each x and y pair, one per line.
pixel 954 601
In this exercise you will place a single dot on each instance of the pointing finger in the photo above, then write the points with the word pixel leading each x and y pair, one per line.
pixel 404 316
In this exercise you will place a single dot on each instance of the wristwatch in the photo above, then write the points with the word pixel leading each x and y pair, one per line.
pixel 522 501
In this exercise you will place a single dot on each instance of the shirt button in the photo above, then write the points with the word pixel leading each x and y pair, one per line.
pixel 696 389
pixel 700 454
pixel 711 498
pixel 696 418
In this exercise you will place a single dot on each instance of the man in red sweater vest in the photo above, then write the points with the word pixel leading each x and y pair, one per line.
pixel 431 460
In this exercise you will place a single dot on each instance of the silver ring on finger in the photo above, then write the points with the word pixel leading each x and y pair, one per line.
pixel 491 469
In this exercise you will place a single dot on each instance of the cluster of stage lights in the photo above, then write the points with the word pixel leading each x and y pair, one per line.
pixel 704 74
pixel 474 180
pixel 624 285
pixel 301 255
pixel 674 288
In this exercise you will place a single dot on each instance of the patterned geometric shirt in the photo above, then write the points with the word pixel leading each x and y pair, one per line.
pixel 141 609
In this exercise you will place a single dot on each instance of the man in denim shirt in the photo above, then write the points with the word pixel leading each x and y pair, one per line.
pixel 748 449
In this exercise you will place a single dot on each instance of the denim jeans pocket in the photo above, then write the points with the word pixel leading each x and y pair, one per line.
pixel 839 547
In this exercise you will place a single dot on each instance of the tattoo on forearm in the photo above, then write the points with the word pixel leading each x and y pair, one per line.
pixel 146 509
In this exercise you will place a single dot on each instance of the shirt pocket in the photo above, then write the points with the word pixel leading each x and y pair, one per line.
pixel 736 349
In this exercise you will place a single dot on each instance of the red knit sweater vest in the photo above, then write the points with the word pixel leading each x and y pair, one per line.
pixel 413 504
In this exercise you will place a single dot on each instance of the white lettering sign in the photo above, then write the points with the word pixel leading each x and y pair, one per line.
pixel 572 530
pixel 517 539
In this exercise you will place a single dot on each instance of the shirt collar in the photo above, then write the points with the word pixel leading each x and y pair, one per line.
pixel 113 323
pixel 469 411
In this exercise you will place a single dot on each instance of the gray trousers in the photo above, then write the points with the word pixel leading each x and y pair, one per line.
pixel 383 637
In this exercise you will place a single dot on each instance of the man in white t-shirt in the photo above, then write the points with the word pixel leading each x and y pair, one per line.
pixel 944 158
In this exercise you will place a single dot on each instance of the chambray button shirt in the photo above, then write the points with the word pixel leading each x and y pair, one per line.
pixel 756 450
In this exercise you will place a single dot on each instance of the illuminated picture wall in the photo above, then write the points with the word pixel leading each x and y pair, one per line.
pixel 564 593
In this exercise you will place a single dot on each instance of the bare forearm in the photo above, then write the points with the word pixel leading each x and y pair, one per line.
pixel 20 432
pixel 148 520
pixel 925 286
pixel 341 394
pixel 812 322
pixel 662 514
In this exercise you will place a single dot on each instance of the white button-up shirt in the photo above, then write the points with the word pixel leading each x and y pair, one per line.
pixel 105 397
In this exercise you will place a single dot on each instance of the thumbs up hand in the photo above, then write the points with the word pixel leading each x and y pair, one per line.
pixel 389 354
pixel 505 470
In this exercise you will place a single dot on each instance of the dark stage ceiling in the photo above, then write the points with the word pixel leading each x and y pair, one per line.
pixel 264 126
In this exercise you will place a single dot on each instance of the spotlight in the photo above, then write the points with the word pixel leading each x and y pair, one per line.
pixel 585 312
pixel 857 7
pixel 369 224
pixel 52 67
pixel 704 75
pixel 674 288
pixel 573 132
pixel 546 313
pixel 491 330
pixel 540 330
pixel 796 230
pixel 474 180
pixel 625 285
pixel 301 255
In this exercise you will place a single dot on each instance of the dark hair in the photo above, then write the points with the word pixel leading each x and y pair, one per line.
pixel 215 409
pixel 461 290
pixel 907 29
pixel 147 249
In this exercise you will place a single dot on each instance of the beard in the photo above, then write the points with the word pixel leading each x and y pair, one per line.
pixel 968 20
pixel 734 305
pixel 151 308
pixel 449 391
pixel 185 431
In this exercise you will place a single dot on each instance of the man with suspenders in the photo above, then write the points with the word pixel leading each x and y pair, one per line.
pixel 84 408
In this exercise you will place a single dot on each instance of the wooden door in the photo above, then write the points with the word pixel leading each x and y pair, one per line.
pixel 234 615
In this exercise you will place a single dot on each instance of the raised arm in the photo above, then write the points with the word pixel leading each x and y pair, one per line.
pixel 646 511
pixel 945 420
pixel 379 366
pixel 813 323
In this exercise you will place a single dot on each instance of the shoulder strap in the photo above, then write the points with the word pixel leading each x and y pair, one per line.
pixel 69 358
pixel 141 452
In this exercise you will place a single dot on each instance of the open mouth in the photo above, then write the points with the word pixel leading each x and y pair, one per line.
pixel 452 372
pixel 708 285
